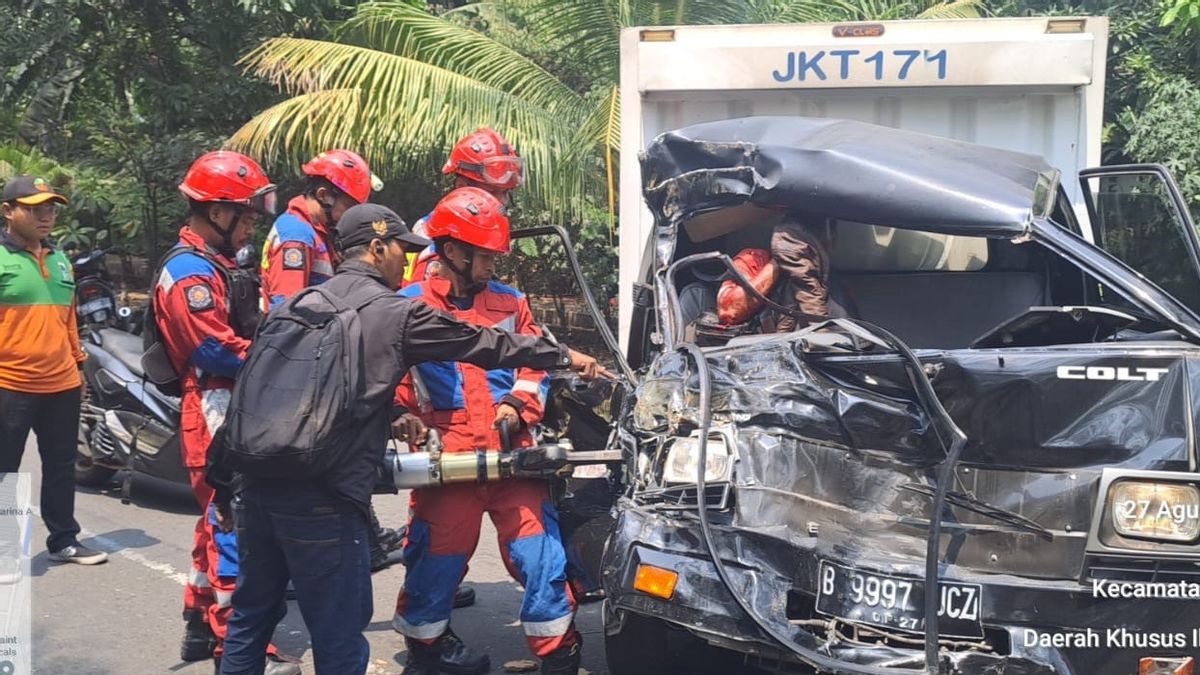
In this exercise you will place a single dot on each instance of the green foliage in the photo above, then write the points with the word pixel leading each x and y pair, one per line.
pixel 1182 16
pixel 1164 131
pixel 125 93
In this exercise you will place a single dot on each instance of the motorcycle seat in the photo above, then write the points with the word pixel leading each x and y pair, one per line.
pixel 126 347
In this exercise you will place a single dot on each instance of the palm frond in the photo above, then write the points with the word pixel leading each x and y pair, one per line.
pixel 403 30
pixel 955 9
pixel 587 29
pixel 396 110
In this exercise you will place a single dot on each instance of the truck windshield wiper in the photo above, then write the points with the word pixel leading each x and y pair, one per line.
pixel 975 505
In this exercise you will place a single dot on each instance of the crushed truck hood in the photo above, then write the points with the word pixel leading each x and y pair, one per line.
pixel 847 170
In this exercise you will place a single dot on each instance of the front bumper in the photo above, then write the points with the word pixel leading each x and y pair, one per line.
pixel 778 578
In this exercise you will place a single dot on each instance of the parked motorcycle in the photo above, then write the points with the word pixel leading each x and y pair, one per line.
pixel 95 296
pixel 126 422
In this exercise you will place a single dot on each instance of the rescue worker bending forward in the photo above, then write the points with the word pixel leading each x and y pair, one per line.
pixel 467 405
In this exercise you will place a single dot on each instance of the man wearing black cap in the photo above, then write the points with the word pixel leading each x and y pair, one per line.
pixel 315 530
pixel 40 358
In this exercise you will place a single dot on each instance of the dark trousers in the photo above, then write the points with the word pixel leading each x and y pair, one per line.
pixel 321 545
pixel 54 419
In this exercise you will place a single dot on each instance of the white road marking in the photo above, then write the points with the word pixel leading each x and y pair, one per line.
pixel 116 548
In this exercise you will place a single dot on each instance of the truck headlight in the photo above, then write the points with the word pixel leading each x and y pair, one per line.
pixel 1160 511
pixel 683 460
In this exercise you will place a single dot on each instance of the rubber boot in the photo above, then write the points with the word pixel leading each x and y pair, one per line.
pixel 198 639
pixel 564 661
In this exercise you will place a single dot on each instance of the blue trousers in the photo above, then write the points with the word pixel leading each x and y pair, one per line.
pixel 321 545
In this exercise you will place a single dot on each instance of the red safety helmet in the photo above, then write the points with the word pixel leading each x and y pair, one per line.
pixel 346 170
pixel 473 216
pixel 487 158
pixel 232 177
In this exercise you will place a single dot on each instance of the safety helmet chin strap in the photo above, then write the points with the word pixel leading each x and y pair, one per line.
pixel 226 247
pixel 466 272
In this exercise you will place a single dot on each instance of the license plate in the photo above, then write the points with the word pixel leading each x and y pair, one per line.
pixel 590 471
pixel 96 305
pixel 896 603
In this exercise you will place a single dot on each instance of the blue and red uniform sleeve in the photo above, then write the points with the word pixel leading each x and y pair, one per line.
pixel 193 318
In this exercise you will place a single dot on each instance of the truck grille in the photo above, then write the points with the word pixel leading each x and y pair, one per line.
pixel 1111 568
pixel 717 496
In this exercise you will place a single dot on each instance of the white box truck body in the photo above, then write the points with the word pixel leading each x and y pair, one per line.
pixel 1032 85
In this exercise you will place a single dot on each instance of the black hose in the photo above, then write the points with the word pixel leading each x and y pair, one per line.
pixel 949 432
pixel 816 659
pixel 573 262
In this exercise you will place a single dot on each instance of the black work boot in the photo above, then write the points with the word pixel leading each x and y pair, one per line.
pixel 422 658
pixel 456 658
pixel 565 660
pixel 382 558
pixel 446 655
pixel 464 596
pixel 198 639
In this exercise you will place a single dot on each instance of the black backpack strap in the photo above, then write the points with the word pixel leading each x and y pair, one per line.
pixel 149 319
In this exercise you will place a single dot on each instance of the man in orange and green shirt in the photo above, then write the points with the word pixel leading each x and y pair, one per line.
pixel 40 358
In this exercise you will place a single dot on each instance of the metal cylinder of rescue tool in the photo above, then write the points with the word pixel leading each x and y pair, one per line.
pixel 413 470
pixel 426 469
pixel 470 467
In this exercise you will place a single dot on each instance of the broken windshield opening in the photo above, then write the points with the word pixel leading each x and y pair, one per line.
pixel 933 290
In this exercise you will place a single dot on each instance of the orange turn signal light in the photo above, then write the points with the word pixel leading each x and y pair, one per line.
pixel 1184 665
pixel 656 581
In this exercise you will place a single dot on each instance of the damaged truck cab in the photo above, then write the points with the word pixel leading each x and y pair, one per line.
pixel 1008 404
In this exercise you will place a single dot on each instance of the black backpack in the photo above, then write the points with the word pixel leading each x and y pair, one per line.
pixel 299 397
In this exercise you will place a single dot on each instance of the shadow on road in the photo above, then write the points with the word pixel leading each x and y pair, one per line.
pixel 152 493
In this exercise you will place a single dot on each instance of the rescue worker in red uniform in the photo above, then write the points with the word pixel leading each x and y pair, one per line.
pixel 299 251
pixel 205 316
pixel 467 405
pixel 483 160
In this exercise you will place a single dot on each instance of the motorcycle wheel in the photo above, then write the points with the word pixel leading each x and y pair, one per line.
pixel 87 472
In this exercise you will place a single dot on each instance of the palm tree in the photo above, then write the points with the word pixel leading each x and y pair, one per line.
pixel 401 84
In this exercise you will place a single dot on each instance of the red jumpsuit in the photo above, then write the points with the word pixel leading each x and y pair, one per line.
pixel 297 254
pixel 192 313
pixel 460 401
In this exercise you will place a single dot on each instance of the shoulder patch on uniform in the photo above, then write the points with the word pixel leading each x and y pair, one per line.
pixel 289 228
pixel 199 297
pixel 293 258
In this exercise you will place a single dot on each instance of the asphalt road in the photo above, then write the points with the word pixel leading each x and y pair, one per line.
pixel 123 617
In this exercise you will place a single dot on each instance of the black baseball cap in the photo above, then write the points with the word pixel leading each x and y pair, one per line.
pixel 363 222
pixel 30 191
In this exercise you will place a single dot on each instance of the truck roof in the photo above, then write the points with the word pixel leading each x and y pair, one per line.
pixel 719 176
